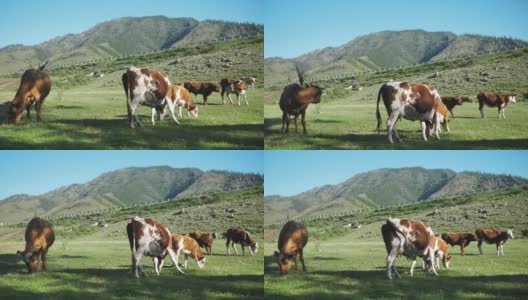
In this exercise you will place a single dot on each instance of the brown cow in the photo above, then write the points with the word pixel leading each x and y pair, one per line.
pixel 461 239
pixel 495 100
pixel 240 236
pixel 205 240
pixel 292 240
pixel 441 252
pixel 493 237
pixel 189 247
pixel 35 86
pixel 39 238
pixel 452 101
pixel 236 86
pixel 203 88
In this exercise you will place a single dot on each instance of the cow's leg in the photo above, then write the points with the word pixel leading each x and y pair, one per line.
pixel 452 115
pixel 287 123
pixel 502 249
pixel 462 250
pixel 480 246
pixel 28 109
pixel 238 98
pixel 234 248
pixel 424 130
pixel 499 110
pixel 153 116
pixel 301 257
pixel 438 262
pixel 135 117
pixel 180 112
pixel 205 99
pixel 390 261
pixel 283 121
pixel 295 262
pixel 391 123
pixel 481 108
pixel 498 248
pixel 171 110
pixel 38 108
pixel 44 256
pixel 155 259
pixel 431 259
pixel 296 118
pixel 160 263
pixel 222 94
pixel 413 263
pixel 136 258
pixel 437 128
pixel 250 251
pixel 227 247
pixel 243 249
pixel 174 257
pixel 303 120
pixel 245 99
pixel 185 261
pixel 229 97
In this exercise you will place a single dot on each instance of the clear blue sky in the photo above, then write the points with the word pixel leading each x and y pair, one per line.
pixel 30 22
pixel 295 27
pixel 36 172
pixel 291 172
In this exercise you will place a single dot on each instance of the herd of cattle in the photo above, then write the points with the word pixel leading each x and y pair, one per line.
pixel 142 87
pixel 409 238
pixel 147 238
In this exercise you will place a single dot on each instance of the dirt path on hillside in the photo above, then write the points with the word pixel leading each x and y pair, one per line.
pixel 8 235
pixel 9 84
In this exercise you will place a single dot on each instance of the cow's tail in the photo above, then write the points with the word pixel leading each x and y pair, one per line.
pixel 126 84
pixel 378 115
pixel 43 66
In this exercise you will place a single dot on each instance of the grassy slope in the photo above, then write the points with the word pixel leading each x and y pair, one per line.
pixel 346 120
pixel 88 113
pixel 88 261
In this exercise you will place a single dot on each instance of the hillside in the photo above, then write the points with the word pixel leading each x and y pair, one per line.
pixel 122 37
pixel 381 188
pixel 123 188
pixel 385 49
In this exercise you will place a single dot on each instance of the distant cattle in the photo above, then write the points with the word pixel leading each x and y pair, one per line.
pixel 186 245
pixel 495 100
pixel 203 88
pixel 408 238
pixel 412 101
pixel 39 238
pixel 496 237
pixel 150 238
pixel 292 240
pixel 452 101
pixel 205 240
pixel 461 239
pixel 35 86
pixel 250 81
pixel 235 86
pixel 240 236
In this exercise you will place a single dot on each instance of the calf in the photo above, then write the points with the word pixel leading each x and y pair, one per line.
pixel 239 236
pixel 35 86
pixel 461 239
pixel 150 238
pixel 441 252
pixel 236 86
pixel 205 240
pixel 39 238
pixel 495 100
pixel 203 88
pixel 180 97
pixel 440 119
pixel 493 237
pixel 292 240
pixel 409 238
pixel 188 246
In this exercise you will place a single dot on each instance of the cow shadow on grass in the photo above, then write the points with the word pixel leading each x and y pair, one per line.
pixel 11 263
pixel 4 106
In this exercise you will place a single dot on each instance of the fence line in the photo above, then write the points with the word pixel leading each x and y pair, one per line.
pixel 361 210
pixel 118 208
pixel 52 66
pixel 353 74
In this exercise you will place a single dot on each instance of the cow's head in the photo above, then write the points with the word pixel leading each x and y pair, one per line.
pixel 30 258
pixel 201 262
pixel 215 235
pixel 254 247
pixel 472 237
pixel 16 108
pixel 446 260
pixel 193 109
pixel 216 87
pixel 466 99
pixel 284 261
pixel 510 233
pixel 511 98
pixel 459 100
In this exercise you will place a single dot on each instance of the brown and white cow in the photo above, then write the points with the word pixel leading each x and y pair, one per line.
pixel 149 88
pixel 203 88
pixel 496 237
pixel 495 100
pixel 35 86
pixel 186 245
pixel 150 238
pixel 250 81
pixel 461 239
pixel 204 239
pixel 408 238
pixel 236 86
pixel 39 238
pixel 181 97
pixel 441 253
pixel 412 101
pixel 292 240
pixel 237 235
pixel 440 119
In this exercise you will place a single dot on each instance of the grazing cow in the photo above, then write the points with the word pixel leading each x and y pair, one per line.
pixel 292 240
pixel 240 236
pixel 149 88
pixel 440 118
pixel 35 86
pixel 205 240
pixel 203 88
pixel 409 238
pixel 39 238
pixel 188 246
pixel 495 100
pixel 412 101
pixel 441 252
pixel 450 102
pixel 236 86
pixel 150 238
pixel 295 99
pixel 461 239
pixel 493 237
pixel 250 81
pixel 179 96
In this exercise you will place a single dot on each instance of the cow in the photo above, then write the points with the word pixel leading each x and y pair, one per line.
pixel 450 102
pixel 461 239
pixel 205 240
pixel 292 240
pixel 236 86
pixel 237 235
pixel 409 238
pixel 441 253
pixel 149 88
pixel 250 81
pixel 203 88
pixel 35 86
pixel 181 97
pixel 39 238
pixel 495 100
pixel 412 101
pixel 150 238
pixel 440 118
pixel 493 237
pixel 189 247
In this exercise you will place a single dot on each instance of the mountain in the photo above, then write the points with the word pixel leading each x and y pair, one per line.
pixel 121 37
pixel 384 50
pixel 125 187
pixel 384 187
